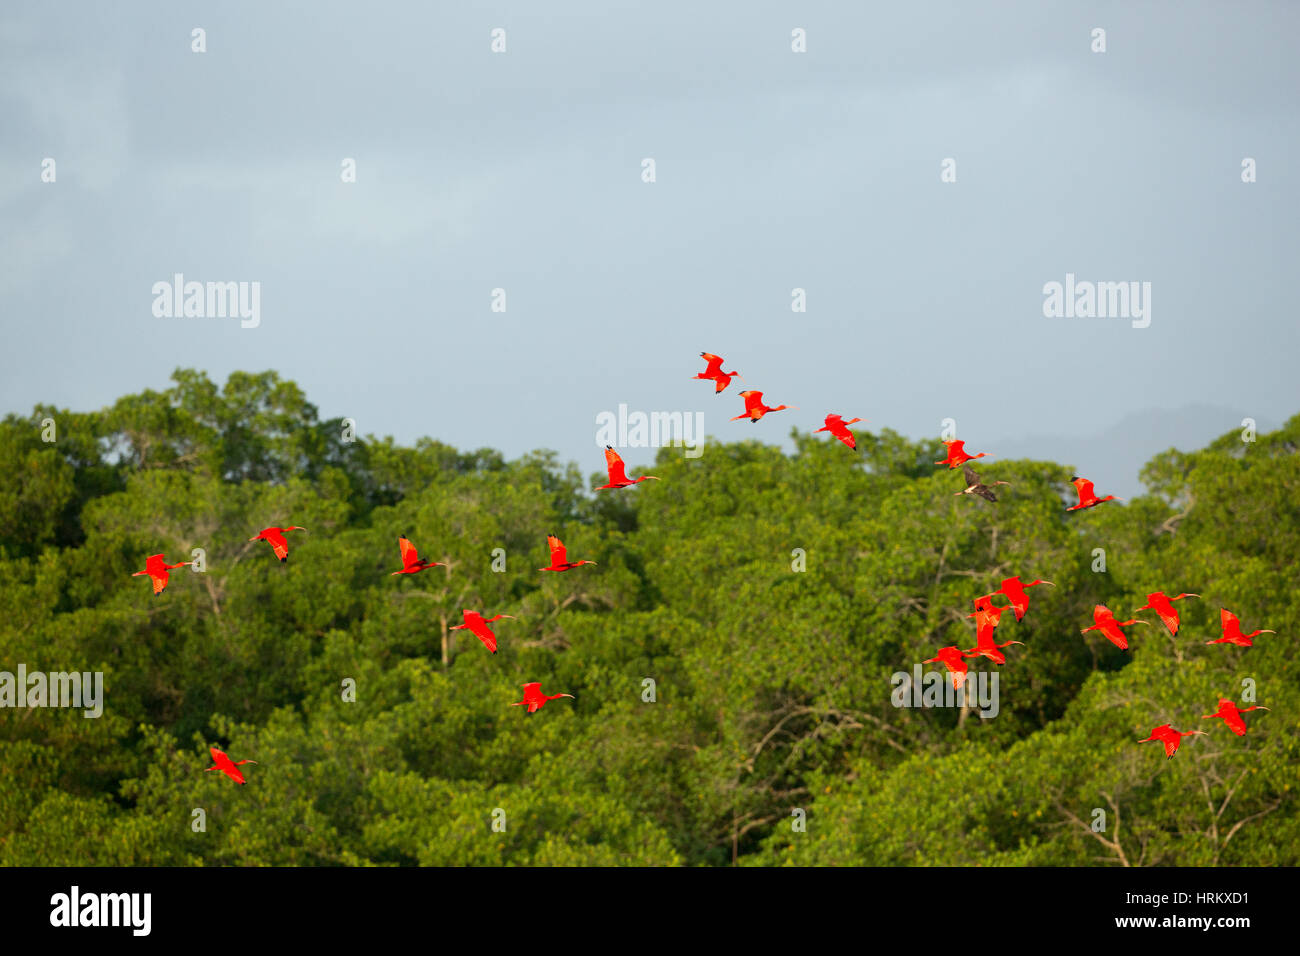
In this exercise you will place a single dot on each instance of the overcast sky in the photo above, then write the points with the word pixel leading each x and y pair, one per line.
pixel 775 170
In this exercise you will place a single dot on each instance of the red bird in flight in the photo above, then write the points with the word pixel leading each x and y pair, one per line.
pixel 1110 627
pixel 1231 715
pixel 714 373
pixel 477 623
pixel 411 560
pixel 156 567
pixel 839 428
pixel 275 538
pixel 754 407
pixel 1232 630
pixel 559 555
pixel 987 610
pixel 617 472
pixel 1170 738
pixel 986 620
pixel 1087 497
pixel 957 455
pixel 1014 591
pixel 951 658
pixel 227 766
pixel 1162 604
pixel 534 699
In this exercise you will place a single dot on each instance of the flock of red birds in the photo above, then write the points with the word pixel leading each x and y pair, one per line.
pixel 156 567
pixel 987 615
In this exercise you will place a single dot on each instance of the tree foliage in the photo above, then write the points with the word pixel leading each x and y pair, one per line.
pixel 771 693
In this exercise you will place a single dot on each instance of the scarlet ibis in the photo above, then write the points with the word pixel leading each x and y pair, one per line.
pixel 957 455
pixel 1231 715
pixel 535 699
pixel 1170 737
pixel 1014 590
pixel 1162 604
pixel 713 372
pixel 1110 627
pixel 558 555
pixel 987 610
pixel 156 567
pixel 754 407
pixel 1232 630
pixel 986 621
pixel 479 625
pixel 951 658
pixel 1087 497
pixel 412 563
pixel 227 766
pixel 275 538
pixel 617 475
pixel 839 428
pixel 974 486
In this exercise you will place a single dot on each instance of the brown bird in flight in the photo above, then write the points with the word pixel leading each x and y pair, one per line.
pixel 974 486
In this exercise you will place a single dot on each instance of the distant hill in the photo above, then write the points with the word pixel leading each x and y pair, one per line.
pixel 1114 457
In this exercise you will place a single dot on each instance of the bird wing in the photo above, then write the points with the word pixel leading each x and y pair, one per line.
pixel 1228 619
pixel 1115 634
pixel 753 400
pixel 558 552
pixel 1084 487
pixel 715 363
pixel 1236 723
pixel 614 464
pixel 159 579
pixel 484 634
pixel 276 540
pixel 985 492
pixel 409 555
pixel 971 476
pixel 1169 616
